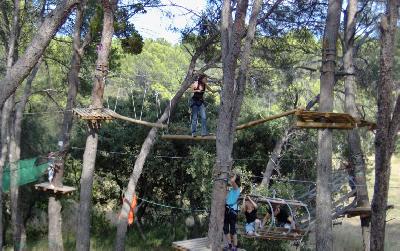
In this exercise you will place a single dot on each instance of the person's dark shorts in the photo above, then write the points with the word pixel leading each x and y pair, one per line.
pixel 230 221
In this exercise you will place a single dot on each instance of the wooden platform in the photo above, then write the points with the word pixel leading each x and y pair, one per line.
pixel 47 188
pixel 358 211
pixel 279 234
pixel 362 211
pixel 188 137
pixel 332 120
pixel 316 120
pixel 95 115
pixel 199 244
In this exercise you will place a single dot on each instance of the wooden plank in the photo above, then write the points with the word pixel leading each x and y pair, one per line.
pixel 47 187
pixel 260 121
pixel 321 125
pixel 92 114
pixel 326 117
pixel 107 114
pixel 199 244
pixel 136 121
pixel 274 237
pixel 188 137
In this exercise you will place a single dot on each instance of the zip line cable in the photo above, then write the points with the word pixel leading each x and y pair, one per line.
pixel 173 207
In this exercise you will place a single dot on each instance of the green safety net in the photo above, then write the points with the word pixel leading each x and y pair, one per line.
pixel 27 170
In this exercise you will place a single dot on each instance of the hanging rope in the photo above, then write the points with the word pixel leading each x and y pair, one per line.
pixel 133 102
pixel 158 106
pixel 169 115
pixel 116 101
pixel 173 207
pixel 144 96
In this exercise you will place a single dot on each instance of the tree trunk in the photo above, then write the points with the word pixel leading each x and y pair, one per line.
pixel 273 160
pixel 89 157
pixel 13 151
pixel 276 152
pixel 34 51
pixel 14 157
pixel 54 208
pixel 5 132
pixel 353 137
pixel 387 127
pixel 232 94
pixel 324 238
pixel 144 152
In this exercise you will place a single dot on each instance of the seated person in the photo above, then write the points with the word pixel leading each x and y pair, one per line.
pixel 282 217
pixel 249 207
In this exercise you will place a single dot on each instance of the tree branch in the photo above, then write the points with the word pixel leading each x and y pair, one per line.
pixel 269 13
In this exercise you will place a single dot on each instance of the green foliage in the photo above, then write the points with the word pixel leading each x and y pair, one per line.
pixel 179 174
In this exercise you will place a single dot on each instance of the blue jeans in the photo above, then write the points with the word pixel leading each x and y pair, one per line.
pixel 196 109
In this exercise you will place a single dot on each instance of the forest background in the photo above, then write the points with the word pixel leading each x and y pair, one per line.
pixel 284 74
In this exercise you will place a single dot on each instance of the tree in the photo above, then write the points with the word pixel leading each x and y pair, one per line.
pixel 78 49
pixel 388 124
pixel 23 66
pixel 11 44
pixel 324 238
pixel 232 32
pixel 89 157
pixel 150 140
pixel 353 138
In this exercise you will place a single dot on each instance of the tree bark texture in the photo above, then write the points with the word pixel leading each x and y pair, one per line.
pixel 55 238
pixel 387 127
pixel 232 32
pixel 324 238
pixel 13 144
pixel 353 138
pixel 89 156
pixel 11 56
pixel 274 158
pixel 14 152
pixel 5 138
pixel 144 152
pixel 23 66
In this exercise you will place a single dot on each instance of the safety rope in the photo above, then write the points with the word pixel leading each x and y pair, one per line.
pixel 116 101
pixel 144 96
pixel 133 103
pixel 173 207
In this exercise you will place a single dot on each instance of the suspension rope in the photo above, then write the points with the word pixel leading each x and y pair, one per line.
pixel 158 106
pixel 133 102
pixel 169 115
pixel 144 96
pixel 173 207
pixel 116 101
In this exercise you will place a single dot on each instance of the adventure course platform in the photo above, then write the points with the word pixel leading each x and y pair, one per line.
pixel 276 233
pixel 104 114
pixel 188 137
pixel 199 244
pixel 333 120
pixel 362 211
pixel 46 187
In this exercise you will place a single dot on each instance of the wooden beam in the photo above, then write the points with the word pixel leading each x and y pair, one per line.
pixel 260 121
pixel 188 137
pixel 54 189
pixel 136 121
pixel 321 125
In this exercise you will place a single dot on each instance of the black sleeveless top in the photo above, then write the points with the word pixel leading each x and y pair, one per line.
pixel 198 96
pixel 251 217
